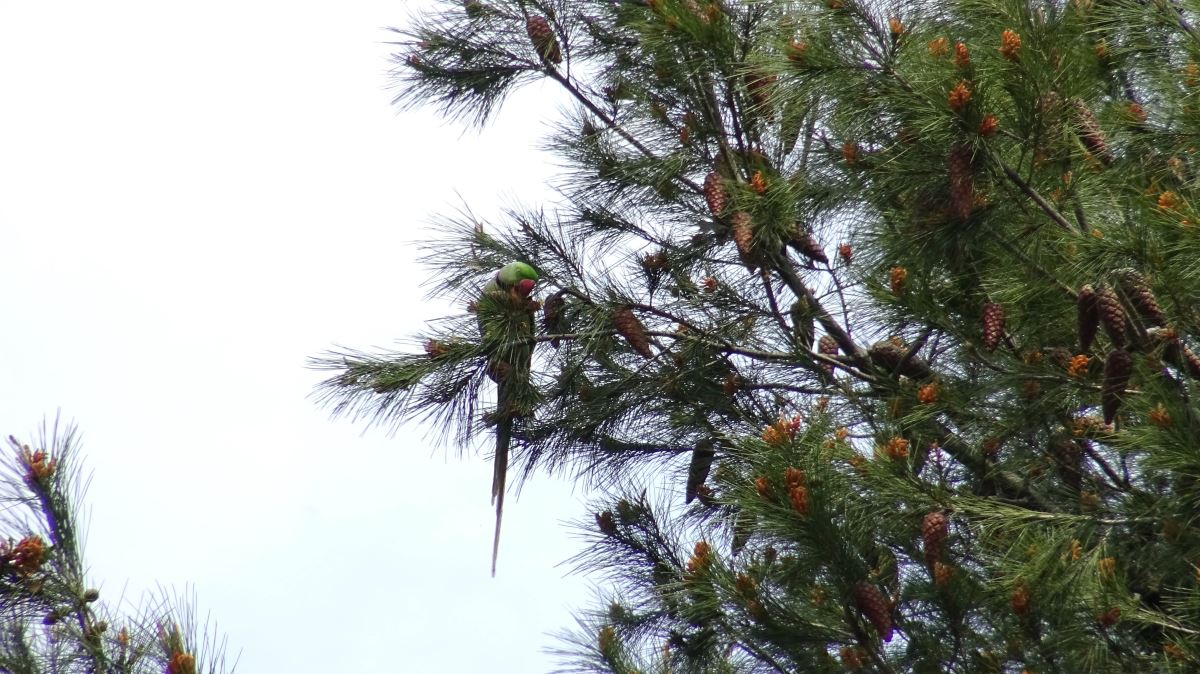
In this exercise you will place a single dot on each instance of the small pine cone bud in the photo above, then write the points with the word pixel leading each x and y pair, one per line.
pixel 743 237
pixel 798 496
pixel 934 530
pixel 874 608
pixel 732 384
pixel 758 182
pixel 552 315
pixel 1133 284
pixel 808 246
pixel 1117 368
pixel 90 595
pixel 962 57
pixel 962 180
pixel 852 658
pixel 1112 316
pixel 846 251
pixel 1109 617
pixel 181 663
pixel 762 486
pixel 942 573
pixel 715 193
pixel 794 477
pixel 1089 316
pixel 630 327
pixel 829 347
pixel 435 349
pixel 993 325
pixel 1090 133
pixel 604 522
pixel 542 37
pixel 1020 600
pixel 897 277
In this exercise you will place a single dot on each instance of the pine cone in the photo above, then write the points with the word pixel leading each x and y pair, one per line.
pixel 542 37
pixel 1068 456
pixel 1191 363
pixel 630 327
pixel 552 314
pixel 934 530
pixel 993 325
pixel 715 193
pixel 827 346
pixel 888 355
pixel 962 180
pixel 1090 133
pixel 1134 285
pixel 1089 316
pixel 743 235
pixel 1117 368
pixel 1112 316
pixel 702 460
pixel 873 606
pixel 807 246
pixel 803 327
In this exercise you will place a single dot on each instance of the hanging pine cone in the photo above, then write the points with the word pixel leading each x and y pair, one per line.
pixel 935 527
pixel 803 325
pixel 888 355
pixel 741 227
pixel 874 608
pixel 1112 316
pixel 1089 316
pixel 542 37
pixel 993 325
pixel 630 327
pixel 807 246
pixel 827 346
pixel 1191 363
pixel 1090 133
pixel 552 314
pixel 962 180
pixel 1134 285
pixel 715 193
pixel 1117 368
pixel 702 460
pixel 1068 457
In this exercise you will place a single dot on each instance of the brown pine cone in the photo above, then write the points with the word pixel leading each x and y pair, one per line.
pixel 1117 369
pixel 807 246
pixel 962 180
pixel 1191 363
pixel 1090 133
pixel 888 355
pixel 1089 316
pixel 993 325
pixel 1134 285
pixel 715 193
pixel 1112 316
pixel 828 346
pixel 743 235
pixel 874 608
pixel 630 327
pixel 552 314
pixel 542 37
pixel 935 527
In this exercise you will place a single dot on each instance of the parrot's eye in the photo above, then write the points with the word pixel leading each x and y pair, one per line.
pixel 525 286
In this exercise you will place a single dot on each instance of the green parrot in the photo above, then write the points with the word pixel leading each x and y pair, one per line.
pixel 505 312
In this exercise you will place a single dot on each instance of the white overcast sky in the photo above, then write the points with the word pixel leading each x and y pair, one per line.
pixel 195 198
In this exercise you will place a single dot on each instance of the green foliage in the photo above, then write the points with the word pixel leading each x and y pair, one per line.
pixel 885 171
pixel 51 621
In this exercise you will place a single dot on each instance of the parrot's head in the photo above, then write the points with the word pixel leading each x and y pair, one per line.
pixel 519 276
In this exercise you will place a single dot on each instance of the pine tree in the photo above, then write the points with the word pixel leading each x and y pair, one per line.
pixel 976 164
pixel 51 620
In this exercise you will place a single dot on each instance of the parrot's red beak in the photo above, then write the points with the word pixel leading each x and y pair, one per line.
pixel 525 286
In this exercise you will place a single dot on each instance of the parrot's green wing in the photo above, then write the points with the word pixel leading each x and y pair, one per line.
pixel 506 327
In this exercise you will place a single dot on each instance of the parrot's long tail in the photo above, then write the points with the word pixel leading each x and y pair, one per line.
pixel 499 473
